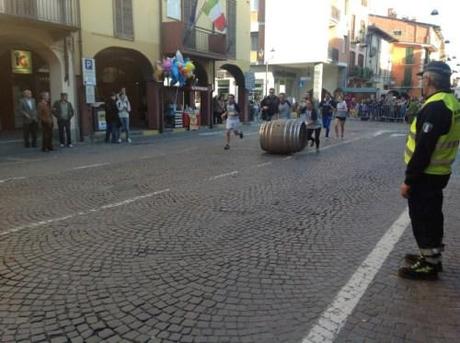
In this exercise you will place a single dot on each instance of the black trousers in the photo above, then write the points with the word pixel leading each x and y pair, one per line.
pixel 310 136
pixel 47 139
pixel 425 211
pixel 64 125
pixel 30 130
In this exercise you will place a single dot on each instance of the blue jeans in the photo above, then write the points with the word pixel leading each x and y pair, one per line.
pixel 327 123
pixel 124 127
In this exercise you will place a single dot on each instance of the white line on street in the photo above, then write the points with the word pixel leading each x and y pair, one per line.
pixel 333 319
pixel 398 135
pixel 96 165
pixel 13 179
pixel 83 213
pixel 223 175
pixel 264 164
pixel 11 141
pixel 287 158
pixel 215 133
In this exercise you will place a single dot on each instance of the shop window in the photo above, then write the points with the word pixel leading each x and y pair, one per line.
pixel 123 13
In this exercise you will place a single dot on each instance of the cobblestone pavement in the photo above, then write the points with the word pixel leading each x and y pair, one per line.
pixel 176 240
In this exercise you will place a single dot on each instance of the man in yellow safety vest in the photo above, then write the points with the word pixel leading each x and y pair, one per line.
pixel 432 146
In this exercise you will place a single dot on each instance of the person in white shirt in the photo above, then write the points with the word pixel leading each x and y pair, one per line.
pixel 232 114
pixel 340 117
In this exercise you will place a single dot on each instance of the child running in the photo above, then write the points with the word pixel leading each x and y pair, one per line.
pixel 232 114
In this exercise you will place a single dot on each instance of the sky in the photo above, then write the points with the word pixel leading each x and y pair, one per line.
pixel 448 18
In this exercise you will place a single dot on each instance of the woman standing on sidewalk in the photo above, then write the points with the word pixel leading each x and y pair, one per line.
pixel 340 117
pixel 313 124
pixel 124 108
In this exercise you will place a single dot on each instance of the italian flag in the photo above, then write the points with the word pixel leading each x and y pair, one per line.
pixel 213 10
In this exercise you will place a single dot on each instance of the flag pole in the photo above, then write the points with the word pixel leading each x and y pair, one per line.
pixel 195 21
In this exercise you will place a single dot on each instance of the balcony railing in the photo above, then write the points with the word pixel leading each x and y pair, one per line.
pixel 362 73
pixel 197 40
pixel 59 12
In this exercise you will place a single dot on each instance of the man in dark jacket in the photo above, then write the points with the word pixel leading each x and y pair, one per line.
pixel 269 105
pixel 431 148
pixel 112 119
pixel 27 107
pixel 63 111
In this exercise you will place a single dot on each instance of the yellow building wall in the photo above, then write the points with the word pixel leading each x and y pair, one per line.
pixel 97 27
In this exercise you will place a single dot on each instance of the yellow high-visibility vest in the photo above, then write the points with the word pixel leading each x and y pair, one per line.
pixel 447 146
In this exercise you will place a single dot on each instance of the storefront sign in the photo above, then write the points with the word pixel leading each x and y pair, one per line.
pixel 90 93
pixel 199 88
pixel 21 61
pixel 101 123
pixel 250 80
pixel 318 81
pixel 89 71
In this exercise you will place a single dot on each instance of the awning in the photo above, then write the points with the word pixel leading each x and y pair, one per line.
pixel 360 90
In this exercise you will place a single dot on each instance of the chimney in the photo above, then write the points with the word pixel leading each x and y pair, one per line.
pixel 392 13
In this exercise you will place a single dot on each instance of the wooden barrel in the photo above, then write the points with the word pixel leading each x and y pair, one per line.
pixel 283 136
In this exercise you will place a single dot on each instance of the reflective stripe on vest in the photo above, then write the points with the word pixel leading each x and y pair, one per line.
pixel 447 146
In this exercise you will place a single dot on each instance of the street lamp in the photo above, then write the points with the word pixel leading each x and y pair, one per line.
pixel 266 70
pixel 434 12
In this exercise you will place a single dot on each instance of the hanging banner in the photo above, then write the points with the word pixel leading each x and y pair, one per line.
pixel 21 62
pixel 89 71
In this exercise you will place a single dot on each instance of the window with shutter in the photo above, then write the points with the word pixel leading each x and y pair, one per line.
pixel 123 19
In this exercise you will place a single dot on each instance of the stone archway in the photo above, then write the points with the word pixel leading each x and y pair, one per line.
pixel 242 93
pixel 46 75
pixel 120 67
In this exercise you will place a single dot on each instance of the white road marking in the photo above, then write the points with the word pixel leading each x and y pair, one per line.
pixel 13 179
pixel 11 141
pixel 381 132
pixel 223 175
pixel 287 158
pixel 264 164
pixel 398 135
pixel 333 319
pixel 215 133
pixel 82 213
pixel 96 165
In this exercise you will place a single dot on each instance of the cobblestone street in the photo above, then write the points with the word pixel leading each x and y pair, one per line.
pixel 173 239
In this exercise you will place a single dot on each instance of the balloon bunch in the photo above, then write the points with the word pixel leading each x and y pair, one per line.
pixel 178 69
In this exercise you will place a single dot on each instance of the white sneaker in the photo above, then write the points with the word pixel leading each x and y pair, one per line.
pixel 70 146
pixel 119 140
pixel 61 145
pixel 129 140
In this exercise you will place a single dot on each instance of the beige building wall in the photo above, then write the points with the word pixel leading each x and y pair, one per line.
pixel 243 36
pixel 97 27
